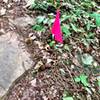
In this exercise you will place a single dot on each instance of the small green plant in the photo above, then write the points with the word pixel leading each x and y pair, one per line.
pixel 38 28
pixel 82 79
pixel 52 43
pixel 96 16
pixel 80 20
pixel 66 31
pixel 87 59
pixel 98 83
pixel 66 96
pixel 75 20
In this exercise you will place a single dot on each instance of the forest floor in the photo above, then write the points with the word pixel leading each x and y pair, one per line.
pixel 53 76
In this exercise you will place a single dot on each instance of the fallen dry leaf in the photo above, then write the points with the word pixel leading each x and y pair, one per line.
pixel 38 65
pixel 33 82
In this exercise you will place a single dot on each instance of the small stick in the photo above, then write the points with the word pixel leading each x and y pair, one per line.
pixel 61 1
pixel 54 2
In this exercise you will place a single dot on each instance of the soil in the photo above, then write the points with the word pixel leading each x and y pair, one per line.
pixel 50 77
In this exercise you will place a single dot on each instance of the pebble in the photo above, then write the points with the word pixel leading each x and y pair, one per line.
pixel 32 36
pixel 49 61
pixel 9 5
pixel 2 11
pixel 95 64
pixel 38 65
pixel 2 31
pixel 72 66
pixel 33 82
pixel 6 1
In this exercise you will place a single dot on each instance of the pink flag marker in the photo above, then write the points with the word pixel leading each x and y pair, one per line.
pixel 56 29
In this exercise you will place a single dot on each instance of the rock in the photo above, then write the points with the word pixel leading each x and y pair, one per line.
pixel 2 11
pixel 49 60
pixel 9 5
pixel 2 31
pixel 33 82
pixel 32 36
pixel 45 98
pixel 14 61
pixel 95 64
pixel 6 1
pixel 23 21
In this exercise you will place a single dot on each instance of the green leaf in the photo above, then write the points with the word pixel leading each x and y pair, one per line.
pixel 50 21
pixel 88 26
pixel 88 90
pixel 38 27
pixel 99 83
pixel 78 12
pixel 90 35
pixel 74 27
pixel 77 79
pixel 83 79
pixel 98 80
pixel 66 31
pixel 98 21
pixel 87 59
pixel 96 16
pixel 68 98
pixel 65 17
pixel 52 43
pixel 85 42
pixel 65 97
pixel 98 66
pixel 45 21
pixel 40 19
pixel 66 47
pixel 80 30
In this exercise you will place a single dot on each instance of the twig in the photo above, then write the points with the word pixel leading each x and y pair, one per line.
pixel 70 76
pixel 68 70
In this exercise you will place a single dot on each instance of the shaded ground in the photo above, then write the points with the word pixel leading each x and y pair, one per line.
pixel 50 77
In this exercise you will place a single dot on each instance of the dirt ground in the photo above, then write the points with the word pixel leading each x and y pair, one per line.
pixel 47 80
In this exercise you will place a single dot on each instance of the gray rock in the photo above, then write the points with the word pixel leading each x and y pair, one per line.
pixel 14 61
pixel 23 21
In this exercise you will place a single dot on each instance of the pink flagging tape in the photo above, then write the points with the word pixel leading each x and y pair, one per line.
pixel 56 29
